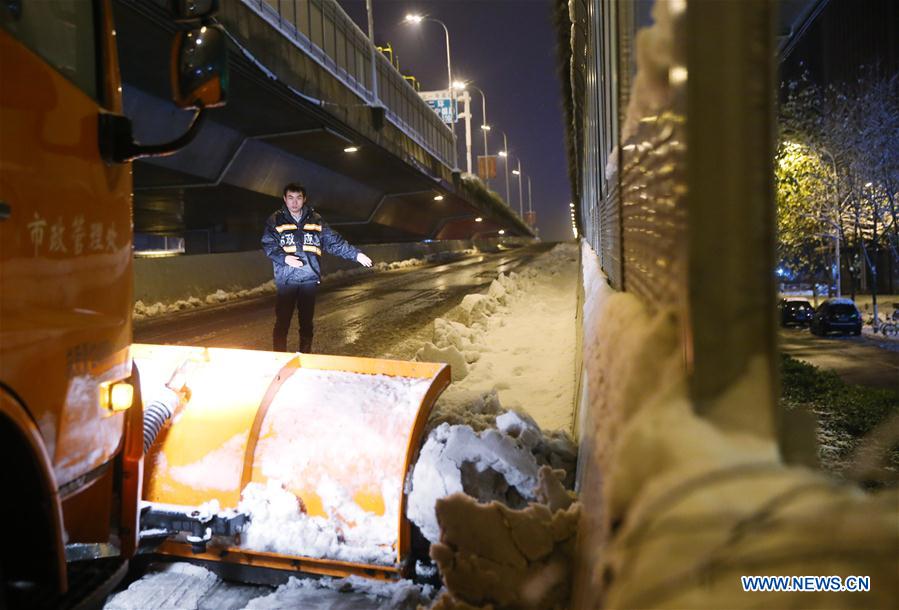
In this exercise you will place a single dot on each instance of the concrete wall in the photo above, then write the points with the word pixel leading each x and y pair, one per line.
pixel 165 280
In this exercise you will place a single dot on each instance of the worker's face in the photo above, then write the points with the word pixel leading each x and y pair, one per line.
pixel 294 201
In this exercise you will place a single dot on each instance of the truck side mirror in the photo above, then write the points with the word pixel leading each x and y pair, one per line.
pixel 199 67
pixel 185 10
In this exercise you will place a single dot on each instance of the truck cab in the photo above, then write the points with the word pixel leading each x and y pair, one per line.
pixel 70 409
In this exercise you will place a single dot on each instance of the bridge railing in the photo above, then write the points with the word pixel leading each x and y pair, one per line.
pixel 327 34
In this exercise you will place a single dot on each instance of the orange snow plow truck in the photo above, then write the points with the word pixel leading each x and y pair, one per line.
pixel 283 462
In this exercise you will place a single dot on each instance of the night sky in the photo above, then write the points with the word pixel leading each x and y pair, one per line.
pixel 508 49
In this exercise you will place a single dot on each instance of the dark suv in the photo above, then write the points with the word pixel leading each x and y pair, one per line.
pixel 796 312
pixel 836 315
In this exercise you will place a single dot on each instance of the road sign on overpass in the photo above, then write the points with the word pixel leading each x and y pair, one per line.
pixel 443 104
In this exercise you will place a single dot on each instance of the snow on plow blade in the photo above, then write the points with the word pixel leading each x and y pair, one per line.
pixel 313 449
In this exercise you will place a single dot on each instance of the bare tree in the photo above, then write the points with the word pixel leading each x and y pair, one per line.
pixel 850 133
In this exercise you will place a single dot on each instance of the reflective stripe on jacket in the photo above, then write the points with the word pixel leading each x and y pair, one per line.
pixel 306 239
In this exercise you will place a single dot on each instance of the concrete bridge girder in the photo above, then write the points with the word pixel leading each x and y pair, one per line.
pixel 230 178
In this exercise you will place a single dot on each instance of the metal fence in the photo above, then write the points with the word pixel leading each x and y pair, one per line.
pixel 327 34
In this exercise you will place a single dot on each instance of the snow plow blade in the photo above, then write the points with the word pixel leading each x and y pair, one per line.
pixel 313 450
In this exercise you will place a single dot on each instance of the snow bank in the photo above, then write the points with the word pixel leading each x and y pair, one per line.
pixel 476 446
pixel 518 344
pixel 149 310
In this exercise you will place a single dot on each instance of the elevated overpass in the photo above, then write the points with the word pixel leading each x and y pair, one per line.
pixel 300 95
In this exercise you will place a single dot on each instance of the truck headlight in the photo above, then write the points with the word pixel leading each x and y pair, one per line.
pixel 117 396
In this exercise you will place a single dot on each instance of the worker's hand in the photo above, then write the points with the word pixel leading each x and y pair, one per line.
pixel 363 260
pixel 293 261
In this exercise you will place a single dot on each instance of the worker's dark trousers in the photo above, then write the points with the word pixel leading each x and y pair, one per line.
pixel 301 297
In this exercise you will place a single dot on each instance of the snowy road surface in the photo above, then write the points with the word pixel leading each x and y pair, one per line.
pixel 368 315
pixel 855 359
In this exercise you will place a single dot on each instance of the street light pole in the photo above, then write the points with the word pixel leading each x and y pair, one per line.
pixel 485 127
pixel 449 77
pixel 506 156
pixel 517 172
pixel 466 101
pixel 530 207
pixel 373 54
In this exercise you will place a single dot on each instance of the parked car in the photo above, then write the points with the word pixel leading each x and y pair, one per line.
pixel 795 312
pixel 836 315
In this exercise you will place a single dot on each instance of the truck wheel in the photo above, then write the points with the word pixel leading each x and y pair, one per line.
pixel 28 569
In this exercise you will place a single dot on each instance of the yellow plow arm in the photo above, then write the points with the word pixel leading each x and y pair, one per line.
pixel 314 449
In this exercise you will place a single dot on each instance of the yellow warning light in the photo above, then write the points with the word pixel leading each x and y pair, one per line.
pixel 118 397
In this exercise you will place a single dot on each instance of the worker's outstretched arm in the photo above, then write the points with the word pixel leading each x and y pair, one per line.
pixel 335 244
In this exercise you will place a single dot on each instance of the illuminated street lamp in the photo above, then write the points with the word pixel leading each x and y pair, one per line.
pixel 416 19
pixel 517 172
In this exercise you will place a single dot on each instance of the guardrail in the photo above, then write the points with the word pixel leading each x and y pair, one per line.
pixel 327 34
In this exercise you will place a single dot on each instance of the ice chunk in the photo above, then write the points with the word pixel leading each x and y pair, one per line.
pixel 477 307
pixel 497 292
pixel 450 355
pixel 520 426
pixel 488 466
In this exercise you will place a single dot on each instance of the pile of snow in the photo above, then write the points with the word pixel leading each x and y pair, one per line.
pixel 476 445
pixel 487 489
pixel 143 310
pixel 494 464
pixel 512 346
pixel 279 524
pixel 329 436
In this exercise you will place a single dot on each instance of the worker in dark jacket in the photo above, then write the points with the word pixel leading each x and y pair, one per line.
pixel 295 237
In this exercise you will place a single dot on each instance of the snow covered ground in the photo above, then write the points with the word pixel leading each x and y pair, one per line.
pixel 514 346
pixel 184 586
pixel 500 432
